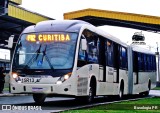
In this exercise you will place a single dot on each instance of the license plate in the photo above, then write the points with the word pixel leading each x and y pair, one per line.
pixel 35 89
pixel 30 80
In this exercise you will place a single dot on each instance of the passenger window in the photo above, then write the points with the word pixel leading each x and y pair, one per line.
pixel 142 62
pixel 145 62
pixel 82 54
pixel 92 46
pixel 148 63
pixel 123 58
pixel 91 54
pixel 109 53
pixel 139 62
pixel 154 62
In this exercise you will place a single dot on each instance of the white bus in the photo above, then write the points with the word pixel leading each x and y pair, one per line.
pixel 75 59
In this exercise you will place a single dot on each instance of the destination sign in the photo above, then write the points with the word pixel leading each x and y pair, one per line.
pixel 48 37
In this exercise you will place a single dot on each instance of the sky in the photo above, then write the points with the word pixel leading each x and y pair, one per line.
pixel 5 54
pixel 56 8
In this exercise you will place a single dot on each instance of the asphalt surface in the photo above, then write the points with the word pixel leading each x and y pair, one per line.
pixel 57 104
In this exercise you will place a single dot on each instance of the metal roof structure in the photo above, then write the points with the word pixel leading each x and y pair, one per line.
pixel 18 2
pixel 13 19
pixel 122 19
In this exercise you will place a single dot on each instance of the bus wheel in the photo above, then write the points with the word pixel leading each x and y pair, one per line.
pixel 86 99
pixel 121 91
pixel 90 97
pixel 39 98
pixel 146 93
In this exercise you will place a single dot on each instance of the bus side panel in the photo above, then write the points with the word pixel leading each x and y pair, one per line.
pixel 144 78
pixel 124 77
pixel 153 78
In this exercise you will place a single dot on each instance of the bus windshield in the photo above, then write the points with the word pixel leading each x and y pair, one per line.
pixel 45 51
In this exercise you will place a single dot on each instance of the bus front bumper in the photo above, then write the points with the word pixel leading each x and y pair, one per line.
pixel 43 88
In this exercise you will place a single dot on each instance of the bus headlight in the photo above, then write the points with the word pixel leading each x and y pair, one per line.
pixel 64 78
pixel 15 75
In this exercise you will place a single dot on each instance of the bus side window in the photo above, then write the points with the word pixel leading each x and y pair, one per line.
pixel 154 63
pixel 109 53
pixel 139 62
pixel 145 62
pixel 123 58
pixel 151 62
pixel 92 46
pixel 81 56
pixel 91 54
pixel 142 62
pixel 92 50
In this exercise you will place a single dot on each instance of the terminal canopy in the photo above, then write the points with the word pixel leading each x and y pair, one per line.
pixel 104 17
pixel 13 19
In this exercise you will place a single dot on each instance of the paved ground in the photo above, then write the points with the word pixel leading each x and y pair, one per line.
pixel 54 104
pixel 6 93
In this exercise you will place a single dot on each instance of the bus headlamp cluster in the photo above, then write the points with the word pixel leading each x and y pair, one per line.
pixel 64 78
pixel 16 77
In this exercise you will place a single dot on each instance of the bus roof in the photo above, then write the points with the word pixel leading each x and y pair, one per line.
pixel 56 26
pixel 103 34
pixel 76 26
pixel 141 50
pixel 69 26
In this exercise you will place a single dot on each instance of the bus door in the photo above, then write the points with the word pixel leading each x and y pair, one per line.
pixel 102 60
pixel 116 56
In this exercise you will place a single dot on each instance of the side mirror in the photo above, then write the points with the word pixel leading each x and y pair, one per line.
pixel 10 41
pixel 84 44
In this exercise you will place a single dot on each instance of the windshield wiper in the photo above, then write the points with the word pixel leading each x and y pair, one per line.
pixel 33 58
pixel 49 62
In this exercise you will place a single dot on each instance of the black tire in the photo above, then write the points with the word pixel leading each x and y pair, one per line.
pixel 86 99
pixel 39 98
pixel 91 95
pixel 121 92
pixel 146 93
pixel 89 99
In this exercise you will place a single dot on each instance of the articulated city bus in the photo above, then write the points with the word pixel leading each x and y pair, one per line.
pixel 75 59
